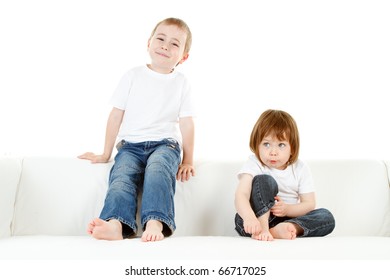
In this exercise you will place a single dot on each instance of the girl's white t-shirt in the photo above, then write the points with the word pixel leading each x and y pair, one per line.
pixel 153 103
pixel 296 179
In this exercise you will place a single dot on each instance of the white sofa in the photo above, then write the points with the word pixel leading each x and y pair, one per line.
pixel 46 203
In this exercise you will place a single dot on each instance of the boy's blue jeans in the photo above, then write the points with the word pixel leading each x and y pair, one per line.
pixel 319 222
pixel 149 168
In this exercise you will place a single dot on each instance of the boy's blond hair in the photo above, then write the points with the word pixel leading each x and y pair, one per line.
pixel 180 24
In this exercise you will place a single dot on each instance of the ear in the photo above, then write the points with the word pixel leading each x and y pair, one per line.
pixel 148 43
pixel 185 57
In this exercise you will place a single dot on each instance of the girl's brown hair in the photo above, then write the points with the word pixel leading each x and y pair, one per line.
pixel 279 124
pixel 180 24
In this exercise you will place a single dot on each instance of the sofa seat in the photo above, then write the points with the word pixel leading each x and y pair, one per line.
pixel 44 247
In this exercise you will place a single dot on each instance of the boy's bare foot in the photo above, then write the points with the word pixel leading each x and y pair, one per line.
pixel 263 236
pixel 153 231
pixel 101 229
pixel 284 231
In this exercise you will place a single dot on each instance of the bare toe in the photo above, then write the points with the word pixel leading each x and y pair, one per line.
pixel 153 231
pixel 100 229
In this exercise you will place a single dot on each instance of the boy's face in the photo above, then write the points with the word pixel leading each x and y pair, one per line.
pixel 274 153
pixel 166 48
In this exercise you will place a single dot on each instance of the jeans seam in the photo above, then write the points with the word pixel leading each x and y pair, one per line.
pixel 265 209
pixel 307 231
pixel 133 226
pixel 168 222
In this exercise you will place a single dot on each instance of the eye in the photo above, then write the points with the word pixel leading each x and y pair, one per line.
pixel 282 145
pixel 266 144
pixel 176 45
pixel 160 39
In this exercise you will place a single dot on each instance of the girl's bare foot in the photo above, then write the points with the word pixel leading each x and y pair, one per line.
pixel 284 231
pixel 101 229
pixel 153 231
pixel 263 236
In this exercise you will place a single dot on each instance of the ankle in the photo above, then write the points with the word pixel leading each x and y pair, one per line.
pixel 155 224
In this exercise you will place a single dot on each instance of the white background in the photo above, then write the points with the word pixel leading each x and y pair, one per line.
pixel 115 269
pixel 325 62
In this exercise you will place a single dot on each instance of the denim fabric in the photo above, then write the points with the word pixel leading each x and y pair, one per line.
pixel 319 222
pixel 147 168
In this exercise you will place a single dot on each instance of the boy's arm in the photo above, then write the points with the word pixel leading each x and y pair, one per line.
pixel 113 124
pixel 186 168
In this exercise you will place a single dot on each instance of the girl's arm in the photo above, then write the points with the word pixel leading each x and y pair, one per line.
pixel 307 203
pixel 243 207
pixel 186 168
pixel 113 124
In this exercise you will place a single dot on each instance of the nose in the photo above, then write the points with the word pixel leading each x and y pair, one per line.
pixel 273 151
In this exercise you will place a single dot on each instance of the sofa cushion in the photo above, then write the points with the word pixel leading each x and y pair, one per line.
pixel 386 223
pixel 205 204
pixel 356 192
pixel 59 196
pixel 10 169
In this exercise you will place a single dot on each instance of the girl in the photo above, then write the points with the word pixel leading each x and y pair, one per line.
pixel 275 196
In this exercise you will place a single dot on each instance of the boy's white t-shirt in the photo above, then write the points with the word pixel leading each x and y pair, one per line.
pixel 153 103
pixel 296 179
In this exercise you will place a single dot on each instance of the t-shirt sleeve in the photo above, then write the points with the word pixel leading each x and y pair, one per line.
pixel 121 93
pixel 187 108
pixel 306 184
pixel 251 167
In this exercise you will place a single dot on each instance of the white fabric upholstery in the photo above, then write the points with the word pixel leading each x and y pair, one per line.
pixel 46 204
pixel 58 196
pixel 195 248
pixel 356 192
pixel 10 169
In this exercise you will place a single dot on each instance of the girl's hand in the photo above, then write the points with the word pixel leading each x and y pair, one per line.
pixel 280 208
pixel 252 226
pixel 185 172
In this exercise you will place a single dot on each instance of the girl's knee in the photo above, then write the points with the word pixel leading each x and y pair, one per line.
pixel 325 212
pixel 265 182
pixel 329 215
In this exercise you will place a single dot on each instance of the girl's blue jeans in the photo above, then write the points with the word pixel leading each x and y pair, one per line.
pixel 319 222
pixel 147 168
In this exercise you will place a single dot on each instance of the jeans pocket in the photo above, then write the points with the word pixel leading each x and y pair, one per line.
pixel 173 144
pixel 120 144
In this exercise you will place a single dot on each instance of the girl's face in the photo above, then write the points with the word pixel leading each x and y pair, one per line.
pixel 274 153
pixel 166 48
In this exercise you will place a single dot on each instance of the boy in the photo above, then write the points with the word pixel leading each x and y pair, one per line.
pixel 152 116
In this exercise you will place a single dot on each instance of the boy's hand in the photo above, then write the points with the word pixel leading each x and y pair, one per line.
pixel 185 172
pixel 94 158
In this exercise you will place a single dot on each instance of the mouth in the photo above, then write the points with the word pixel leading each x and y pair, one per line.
pixel 162 54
